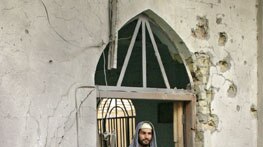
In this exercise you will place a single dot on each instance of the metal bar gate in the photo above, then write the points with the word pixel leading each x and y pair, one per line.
pixel 116 122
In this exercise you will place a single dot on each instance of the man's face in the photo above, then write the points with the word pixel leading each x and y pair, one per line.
pixel 145 137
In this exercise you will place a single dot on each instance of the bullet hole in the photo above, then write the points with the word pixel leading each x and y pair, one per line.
pixel 224 65
pixel 245 62
pixel 219 1
pixel 232 90
pixel 50 61
pixel 253 108
pixel 201 30
pixel 26 31
pixel 219 20
pixel 231 40
pixel 256 5
pixel 2 28
pixel 242 37
pixel 222 39
pixel 181 21
pixel 238 108
pixel 21 39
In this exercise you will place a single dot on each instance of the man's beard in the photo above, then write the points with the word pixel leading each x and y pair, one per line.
pixel 145 142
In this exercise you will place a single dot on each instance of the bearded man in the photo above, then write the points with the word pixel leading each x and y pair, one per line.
pixel 144 135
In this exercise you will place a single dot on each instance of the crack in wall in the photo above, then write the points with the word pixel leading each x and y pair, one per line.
pixel 82 101
pixel 49 22
pixel 69 122
pixel 99 45
pixel 36 121
pixel 77 107
pixel 65 128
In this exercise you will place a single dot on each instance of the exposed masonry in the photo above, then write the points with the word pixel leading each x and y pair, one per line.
pixel 201 30
pixel 199 65
pixel 200 69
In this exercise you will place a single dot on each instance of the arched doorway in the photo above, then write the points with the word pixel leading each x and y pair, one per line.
pixel 149 73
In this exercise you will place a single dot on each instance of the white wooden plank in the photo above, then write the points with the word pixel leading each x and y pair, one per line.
pixel 144 95
pixel 140 89
pixel 158 55
pixel 128 55
pixel 144 69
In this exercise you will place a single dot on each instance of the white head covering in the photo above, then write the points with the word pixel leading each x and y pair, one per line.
pixel 146 126
pixel 141 125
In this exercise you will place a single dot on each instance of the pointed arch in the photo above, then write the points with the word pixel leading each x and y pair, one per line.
pixel 110 86
pixel 168 35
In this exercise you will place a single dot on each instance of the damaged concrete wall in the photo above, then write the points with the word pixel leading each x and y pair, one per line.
pixel 49 50
pixel 217 33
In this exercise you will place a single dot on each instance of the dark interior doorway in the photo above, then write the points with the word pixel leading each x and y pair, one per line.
pixel 160 113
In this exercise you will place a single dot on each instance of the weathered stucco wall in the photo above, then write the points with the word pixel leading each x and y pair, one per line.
pixel 49 50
